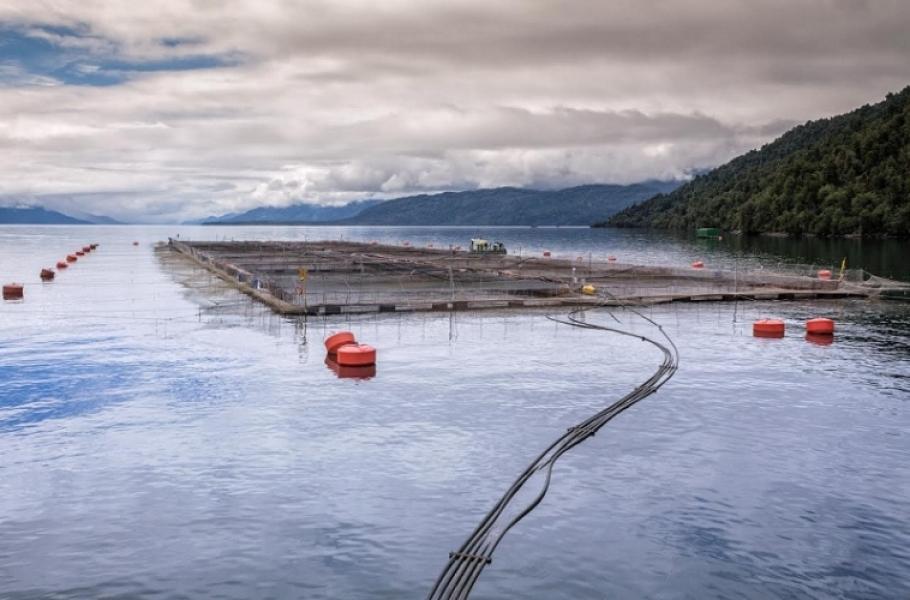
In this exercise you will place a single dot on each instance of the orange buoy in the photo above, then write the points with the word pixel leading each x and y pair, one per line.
pixel 698 265
pixel 820 326
pixel 824 274
pixel 347 372
pixel 768 328
pixel 820 338
pixel 356 355
pixel 546 253
pixel 62 264
pixel 86 249
pixel 70 258
pixel 13 291
pixel 611 258
pixel 336 341
pixel 47 274
pixel 80 253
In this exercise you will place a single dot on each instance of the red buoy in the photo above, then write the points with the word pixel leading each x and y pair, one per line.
pixel 336 341
pixel 47 275
pixel 345 372
pixel 86 249
pixel 820 326
pixel 80 253
pixel 824 274
pixel 820 339
pixel 71 258
pixel 546 253
pixel 61 264
pixel 356 355
pixel 611 258
pixel 13 291
pixel 768 328
pixel 698 265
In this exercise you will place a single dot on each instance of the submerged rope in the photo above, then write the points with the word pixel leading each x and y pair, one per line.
pixel 467 563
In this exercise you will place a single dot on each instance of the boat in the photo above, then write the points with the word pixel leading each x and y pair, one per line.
pixel 482 246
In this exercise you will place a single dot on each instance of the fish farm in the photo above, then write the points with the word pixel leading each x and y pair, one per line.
pixel 342 277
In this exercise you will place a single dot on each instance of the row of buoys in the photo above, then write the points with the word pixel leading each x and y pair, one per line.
pixel 16 291
pixel 349 359
pixel 818 329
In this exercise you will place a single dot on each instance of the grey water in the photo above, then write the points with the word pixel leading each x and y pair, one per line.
pixel 162 436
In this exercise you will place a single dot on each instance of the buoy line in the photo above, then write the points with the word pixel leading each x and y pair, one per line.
pixel 466 564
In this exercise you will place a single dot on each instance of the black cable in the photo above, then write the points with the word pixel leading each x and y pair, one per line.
pixel 465 566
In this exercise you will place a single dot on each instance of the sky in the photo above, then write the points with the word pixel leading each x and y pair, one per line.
pixel 171 110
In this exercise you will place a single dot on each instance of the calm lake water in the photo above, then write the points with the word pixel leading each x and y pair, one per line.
pixel 162 436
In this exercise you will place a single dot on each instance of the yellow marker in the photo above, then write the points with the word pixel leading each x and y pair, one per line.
pixel 302 273
pixel 843 267
pixel 588 289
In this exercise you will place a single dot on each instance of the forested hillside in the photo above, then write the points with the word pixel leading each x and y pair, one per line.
pixel 849 174
pixel 581 205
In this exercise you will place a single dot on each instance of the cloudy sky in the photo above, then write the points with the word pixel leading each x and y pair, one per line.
pixel 175 109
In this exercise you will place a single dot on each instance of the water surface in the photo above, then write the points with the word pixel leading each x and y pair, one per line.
pixel 164 437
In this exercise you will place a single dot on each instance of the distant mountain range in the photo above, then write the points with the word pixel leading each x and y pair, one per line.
pixel 580 205
pixel 846 175
pixel 36 215
pixel 298 213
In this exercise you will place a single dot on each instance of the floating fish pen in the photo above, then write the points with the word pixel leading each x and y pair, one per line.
pixel 334 277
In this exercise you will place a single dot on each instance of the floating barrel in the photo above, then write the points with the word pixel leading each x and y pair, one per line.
pixel 820 326
pixel 824 274
pixel 47 275
pixel 768 328
pixel 547 253
pixel 820 338
pixel 348 372
pixel 13 291
pixel 62 264
pixel 80 253
pixel 611 258
pixel 698 265
pixel 356 355
pixel 336 341
pixel 71 258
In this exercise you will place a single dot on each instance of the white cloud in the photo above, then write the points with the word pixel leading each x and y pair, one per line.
pixel 335 100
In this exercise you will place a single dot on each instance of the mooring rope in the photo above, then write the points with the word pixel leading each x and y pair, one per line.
pixel 465 565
